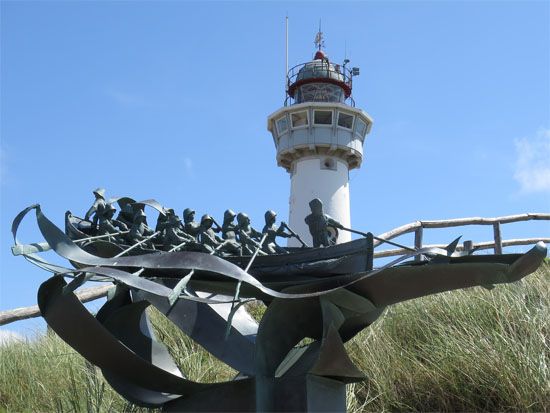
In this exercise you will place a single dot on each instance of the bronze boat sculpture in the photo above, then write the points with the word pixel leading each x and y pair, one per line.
pixel 325 294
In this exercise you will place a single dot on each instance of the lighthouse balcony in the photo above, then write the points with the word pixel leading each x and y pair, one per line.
pixel 317 129
pixel 319 80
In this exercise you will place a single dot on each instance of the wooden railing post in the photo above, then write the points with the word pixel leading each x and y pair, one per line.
pixel 468 245
pixel 418 234
pixel 498 238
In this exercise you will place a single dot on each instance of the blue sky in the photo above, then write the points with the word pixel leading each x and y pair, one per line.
pixel 169 100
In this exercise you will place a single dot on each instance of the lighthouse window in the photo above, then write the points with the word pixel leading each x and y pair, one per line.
pixel 345 120
pixel 282 125
pixel 322 117
pixel 361 127
pixel 299 119
pixel 328 163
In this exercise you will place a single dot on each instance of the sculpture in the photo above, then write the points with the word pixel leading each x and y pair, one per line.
pixel 140 232
pixel 248 236
pixel 212 242
pixel 229 229
pixel 190 225
pixel 126 215
pixel 163 218
pixel 270 245
pixel 97 207
pixel 320 224
pixel 108 225
pixel 174 238
pixel 325 294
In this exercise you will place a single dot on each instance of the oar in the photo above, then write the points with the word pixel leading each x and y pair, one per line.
pixel 218 225
pixel 238 289
pixel 101 236
pixel 137 244
pixel 182 244
pixel 81 278
pixel 395 244
pixel 180 286
pixel 304 245
pixel 264 236
pixel 44 246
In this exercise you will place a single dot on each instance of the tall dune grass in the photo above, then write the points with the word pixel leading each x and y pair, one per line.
pixel 470 350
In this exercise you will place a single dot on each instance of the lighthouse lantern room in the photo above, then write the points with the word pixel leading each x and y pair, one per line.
pixel 319 135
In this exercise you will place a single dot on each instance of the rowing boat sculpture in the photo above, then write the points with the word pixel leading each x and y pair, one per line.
pixel 325 294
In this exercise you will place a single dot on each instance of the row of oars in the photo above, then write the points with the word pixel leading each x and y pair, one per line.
pixel 181 285
pixel 82 277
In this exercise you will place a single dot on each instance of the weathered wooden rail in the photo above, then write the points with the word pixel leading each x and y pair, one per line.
pixel 90 294
pixel 23 313
pixel 418 228
pixel 467 246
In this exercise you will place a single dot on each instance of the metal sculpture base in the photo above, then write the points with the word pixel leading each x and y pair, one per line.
pixel 309 393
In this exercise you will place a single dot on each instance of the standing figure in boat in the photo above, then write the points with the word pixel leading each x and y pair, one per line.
pixel 140 231
pixel 108 225
pixel 208 238
pixel 229 229
pixel 191 227
pixel 319 224
pixel 270 244
pixel 126 215
pixel 173 235
pixel 248 236
pixel 97 208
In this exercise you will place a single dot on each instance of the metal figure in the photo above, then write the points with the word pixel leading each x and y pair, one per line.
pixel 248 236
pixel 108 225
pixel 97 208
pixel 208 238
pixel 270 245
pixel 173 235
pixel 163 219
pixel 218 227
pixel 319 224
pixel 126 215
pixel 191 227
pixel 140 231
pixel 229 229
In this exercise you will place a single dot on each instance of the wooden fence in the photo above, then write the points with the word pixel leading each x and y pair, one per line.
pixel 90 294
pixel 497 244
pixel 22 313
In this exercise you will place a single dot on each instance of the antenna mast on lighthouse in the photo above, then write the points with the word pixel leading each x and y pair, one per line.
pixel 286 55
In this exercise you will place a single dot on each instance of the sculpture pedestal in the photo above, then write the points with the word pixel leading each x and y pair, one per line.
pixel 303 393
pixel 309 393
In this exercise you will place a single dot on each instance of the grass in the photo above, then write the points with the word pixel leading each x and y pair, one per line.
pixel 469 350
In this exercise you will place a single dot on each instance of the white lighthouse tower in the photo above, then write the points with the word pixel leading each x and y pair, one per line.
pixel 319 138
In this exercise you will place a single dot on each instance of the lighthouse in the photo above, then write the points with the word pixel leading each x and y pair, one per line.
pixel 318 136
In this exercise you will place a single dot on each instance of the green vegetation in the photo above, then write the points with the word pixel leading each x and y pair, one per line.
pixel 470 350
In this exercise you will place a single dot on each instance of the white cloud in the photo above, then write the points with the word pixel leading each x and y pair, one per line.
pixel 7 337
pixel 533 162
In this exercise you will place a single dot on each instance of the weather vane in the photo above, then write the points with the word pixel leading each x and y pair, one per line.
pixel 319 40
